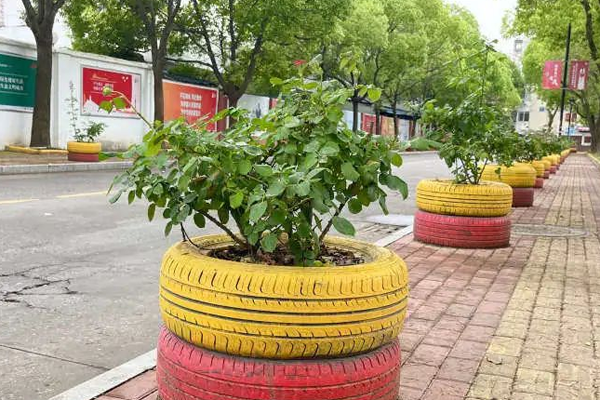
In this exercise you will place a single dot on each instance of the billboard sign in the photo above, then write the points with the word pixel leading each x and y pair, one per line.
pixel 93 82
pixel 189 101
pixel 578 75
pixel 552 76
pixel 17 82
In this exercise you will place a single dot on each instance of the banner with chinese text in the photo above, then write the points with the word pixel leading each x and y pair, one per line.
pixel 17 81
pixel 93 82
pixel 189 101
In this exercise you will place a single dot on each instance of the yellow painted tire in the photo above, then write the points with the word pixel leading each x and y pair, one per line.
pixel 279 312
pixel 517 176
pixel 488 199
pixel 539 168
pixel 547 164
pixel 84 148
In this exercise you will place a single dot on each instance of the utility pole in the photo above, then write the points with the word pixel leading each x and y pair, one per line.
pixel 564 81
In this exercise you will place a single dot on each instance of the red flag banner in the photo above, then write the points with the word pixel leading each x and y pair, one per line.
pixel 552 76
pixel 578 75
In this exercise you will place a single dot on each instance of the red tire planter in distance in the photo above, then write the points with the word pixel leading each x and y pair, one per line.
pixel 553 169
pixel 539 183
pixel 462 232
pixel 187 372
pixel 547 174
pixel 82 157
pixel 523 197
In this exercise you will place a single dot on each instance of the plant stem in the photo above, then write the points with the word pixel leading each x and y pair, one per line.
pixel 226 230
pixel 330 223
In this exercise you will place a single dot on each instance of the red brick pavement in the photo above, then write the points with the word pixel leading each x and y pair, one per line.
pixel 459 297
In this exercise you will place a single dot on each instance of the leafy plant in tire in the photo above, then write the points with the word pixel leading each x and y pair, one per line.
pixel 472 135
pixel 282 180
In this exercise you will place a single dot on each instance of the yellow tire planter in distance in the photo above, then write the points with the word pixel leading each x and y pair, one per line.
pixel 84 147
pixel 547 164
pixel 487 199
pixel 517 176
pixel 539 167
pixel 282 312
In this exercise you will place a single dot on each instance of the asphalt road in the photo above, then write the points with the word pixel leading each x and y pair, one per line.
pixel 78 276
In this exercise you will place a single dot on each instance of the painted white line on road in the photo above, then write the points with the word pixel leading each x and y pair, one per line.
pixel 17 201
pixel 103 383
pixel 69 196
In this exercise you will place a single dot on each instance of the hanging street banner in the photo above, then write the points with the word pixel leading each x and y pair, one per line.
pixel 17 82
pixel 552 76
pixel 94 80
pixel 189 101
pixel 579 74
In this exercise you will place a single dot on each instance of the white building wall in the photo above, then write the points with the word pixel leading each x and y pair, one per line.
pixel 15 126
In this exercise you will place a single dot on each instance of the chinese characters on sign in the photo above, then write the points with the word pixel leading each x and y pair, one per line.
pixel 93 82
pixel 189 101
pixel 552 76
pixel 17 81
pixel 578 75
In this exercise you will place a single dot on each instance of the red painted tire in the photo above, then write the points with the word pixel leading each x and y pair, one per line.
pixel 547 174
pixel 82 157
pixel 539 183
pixel 523 197
pixel 553 169
pixel 462 232
pixel 187 372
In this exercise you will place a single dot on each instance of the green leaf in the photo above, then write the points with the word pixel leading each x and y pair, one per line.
pixel 199 220
pixel 330 149
pixel 278 216
pixel 309 161
pixel 223 214
pixel 374 94
pixel 257 211
pixel 395 183
pixel 276 81
pixel 115 198
pixel 269 242
pixel 343 226
pixel 168 228
pixel 131 197
pixel 355 206
pixel 106 106
pixel 349 172
pixel 396 159
pixel 264 170
pixel 303 188
pixel 236 199
pixel 151 211
pixel 275 189
pixel 244 167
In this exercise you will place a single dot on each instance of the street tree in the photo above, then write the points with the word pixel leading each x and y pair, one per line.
pixel 125 28
pixel 546 21
pixel 39 17
pixel 235 38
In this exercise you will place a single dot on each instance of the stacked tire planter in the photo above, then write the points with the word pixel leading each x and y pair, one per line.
pixel 554 163
pixel 520 177
pixel 463 215
pixel 547 165
pixel 540 169
pixel 84 151
pixel 248 331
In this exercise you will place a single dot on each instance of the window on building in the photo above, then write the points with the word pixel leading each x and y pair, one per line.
pixel 523 116
pixel 518 45
pixel 586 140
pixel 542 109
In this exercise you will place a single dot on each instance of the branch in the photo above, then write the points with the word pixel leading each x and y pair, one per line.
pixel 330 223
pixel 589 32
pixel 225 229
pixel 190 61
pixel 253 56
pixel 31 16
pixel 209 49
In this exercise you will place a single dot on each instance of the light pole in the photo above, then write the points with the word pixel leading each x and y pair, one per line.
pixel 571 104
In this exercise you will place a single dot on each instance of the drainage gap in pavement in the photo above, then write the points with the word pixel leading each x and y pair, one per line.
pixel 547 230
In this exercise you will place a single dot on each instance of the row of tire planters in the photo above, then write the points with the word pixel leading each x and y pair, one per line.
pixel 248 331
pixel 540 170
pixel 564 154
pixel 463 215
pixel 547 166
pixel 554 160
pixel 84 151
pixel 520 177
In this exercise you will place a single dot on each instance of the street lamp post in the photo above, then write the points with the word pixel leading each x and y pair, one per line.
pixel 571 103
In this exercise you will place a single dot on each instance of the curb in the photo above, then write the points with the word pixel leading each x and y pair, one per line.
pixel 29 150
pixel 103 383
pixel 594 159
pixel 70 167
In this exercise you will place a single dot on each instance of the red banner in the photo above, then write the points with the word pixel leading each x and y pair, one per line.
pixel 190 101
pixel 552 76
pixel 94 80
pixel 578 75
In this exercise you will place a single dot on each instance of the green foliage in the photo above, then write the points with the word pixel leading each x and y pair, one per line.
pixel 526 148
pixel 473 134
pixel 93 129
pixel 283 179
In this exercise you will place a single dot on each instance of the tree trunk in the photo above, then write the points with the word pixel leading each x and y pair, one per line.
pixel 159 99
pixel 377 120
pixel 396 125
pixel 354 114
pixel 595 133
pixel 40 128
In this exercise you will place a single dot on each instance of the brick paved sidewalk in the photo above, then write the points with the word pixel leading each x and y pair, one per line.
pixel 521 323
